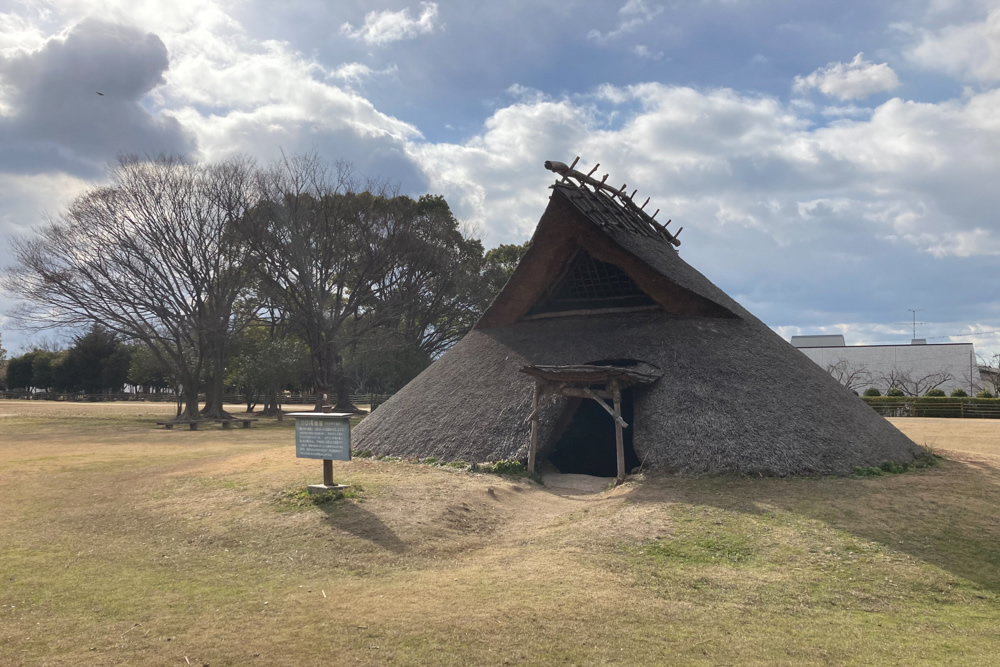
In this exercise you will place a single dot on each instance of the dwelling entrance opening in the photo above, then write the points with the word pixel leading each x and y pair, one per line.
pixel 587 445
pixel 596 388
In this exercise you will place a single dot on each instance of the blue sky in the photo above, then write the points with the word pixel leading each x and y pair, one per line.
pixel 832 163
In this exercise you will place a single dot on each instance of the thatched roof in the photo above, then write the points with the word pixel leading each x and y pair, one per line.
pixel 733 397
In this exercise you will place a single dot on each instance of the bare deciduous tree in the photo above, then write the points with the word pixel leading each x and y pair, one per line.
pixel 151 256
pixel 988 374
pixel 851 375
pixel 891 379
pixel 915 385
pixel 911 384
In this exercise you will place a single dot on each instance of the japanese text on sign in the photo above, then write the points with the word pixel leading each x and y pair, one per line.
pixel 328 439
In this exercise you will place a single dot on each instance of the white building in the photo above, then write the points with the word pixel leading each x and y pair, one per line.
pixel 914 368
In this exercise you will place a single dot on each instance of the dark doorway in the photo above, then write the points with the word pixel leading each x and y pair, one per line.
pixel 587 446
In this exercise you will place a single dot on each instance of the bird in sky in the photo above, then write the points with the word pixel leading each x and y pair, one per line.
pixel 99 93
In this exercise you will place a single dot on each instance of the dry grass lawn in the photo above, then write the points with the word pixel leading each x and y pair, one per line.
pixel 122 544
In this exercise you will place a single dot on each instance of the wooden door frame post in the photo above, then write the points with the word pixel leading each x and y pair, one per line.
pixel 616 394
pixel 533 445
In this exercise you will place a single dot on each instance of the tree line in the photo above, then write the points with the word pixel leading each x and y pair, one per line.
pixel 257 277
pixel 96 363
pixel 100 362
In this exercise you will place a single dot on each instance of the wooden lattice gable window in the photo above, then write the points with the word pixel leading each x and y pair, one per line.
pixel 588 284
pixel 595 251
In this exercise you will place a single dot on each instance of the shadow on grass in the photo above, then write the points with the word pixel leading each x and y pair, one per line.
pixel 945 516
pixel 352 518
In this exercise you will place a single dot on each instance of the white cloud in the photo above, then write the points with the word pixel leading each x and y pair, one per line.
pixel 768 198
pixel 525 93
pixel 358 72
pixel 850 81
pixel 351 72
pixel 633 15
pixel 239 94
pixel 644 52
pixel 677 148
pixel 388 26
pixel 849 110
pixel 17 33
pixel 226 91
pixel 76 101
pixel 969 51
pixel 917 175
pixel 496 179
pixel 25 198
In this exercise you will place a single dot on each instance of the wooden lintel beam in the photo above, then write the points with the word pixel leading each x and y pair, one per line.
pixel 582 392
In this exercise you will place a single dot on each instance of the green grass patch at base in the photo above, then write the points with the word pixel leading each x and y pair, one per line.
pixel 303 499
pixel 926 459
pixel 720 548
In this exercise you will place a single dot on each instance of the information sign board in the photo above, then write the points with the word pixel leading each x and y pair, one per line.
pixel 323 436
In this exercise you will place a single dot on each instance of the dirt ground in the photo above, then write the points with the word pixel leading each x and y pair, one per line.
pixel 121 543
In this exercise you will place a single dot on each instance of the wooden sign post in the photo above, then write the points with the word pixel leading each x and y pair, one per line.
pixel 326 436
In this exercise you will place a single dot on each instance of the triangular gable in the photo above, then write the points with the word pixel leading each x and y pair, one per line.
pixel 565 249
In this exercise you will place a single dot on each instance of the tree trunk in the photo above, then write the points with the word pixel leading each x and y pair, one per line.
pixel 209 399
pixel 190 397
pixel 343 385
pixel 270 403
pixel 215 387
pixel 323 359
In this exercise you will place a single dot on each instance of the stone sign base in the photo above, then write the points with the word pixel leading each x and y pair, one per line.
pixel 323 488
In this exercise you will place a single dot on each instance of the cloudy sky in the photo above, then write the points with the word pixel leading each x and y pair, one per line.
pixel 833 164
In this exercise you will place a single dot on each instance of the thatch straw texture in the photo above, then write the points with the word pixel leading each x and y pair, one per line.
pixel 734 396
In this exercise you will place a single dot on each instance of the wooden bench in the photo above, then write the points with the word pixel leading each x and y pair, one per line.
pixel 227 424
pixel 193 425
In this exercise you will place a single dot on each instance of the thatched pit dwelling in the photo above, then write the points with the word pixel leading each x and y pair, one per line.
pixel 603 307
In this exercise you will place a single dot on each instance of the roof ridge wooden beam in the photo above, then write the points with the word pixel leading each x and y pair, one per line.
pixel 567 172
